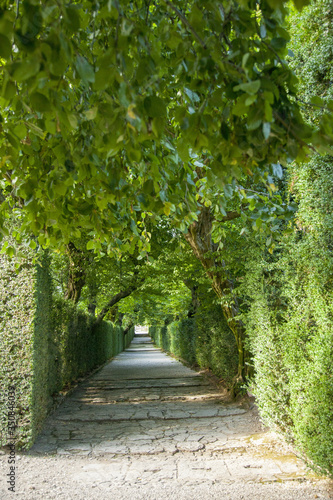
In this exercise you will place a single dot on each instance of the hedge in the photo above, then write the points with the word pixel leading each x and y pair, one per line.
pixel 204 340
pixel 17 313
pixel 47 344
pixel 290 320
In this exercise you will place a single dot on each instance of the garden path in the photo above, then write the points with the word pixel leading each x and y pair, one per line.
pixel 147 427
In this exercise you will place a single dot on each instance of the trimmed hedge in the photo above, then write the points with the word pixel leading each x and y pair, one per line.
pixel 17 313
pixel 46 344
pixel 290 330
pixel 290 320
pixel 204 340
pixel 289 317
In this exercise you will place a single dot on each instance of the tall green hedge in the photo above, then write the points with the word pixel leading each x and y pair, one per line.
pixel 290 322
pixel 204 340
pixel 290 294
pixel 17 314
pixel 46 344
pixel 43 349
pixel 289 319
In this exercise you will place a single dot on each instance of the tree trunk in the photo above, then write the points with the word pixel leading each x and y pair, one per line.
pixel 92 308
pixel 193 287
pixel 199 238
pixel 128 327
pixel 77 273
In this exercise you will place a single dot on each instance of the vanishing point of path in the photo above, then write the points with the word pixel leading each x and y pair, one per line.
pixel 147 427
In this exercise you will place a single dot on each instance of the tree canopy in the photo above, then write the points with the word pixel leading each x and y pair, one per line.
pixel 115 113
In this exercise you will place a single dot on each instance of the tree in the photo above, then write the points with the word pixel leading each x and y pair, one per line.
pixel 107 109
pixel 119 113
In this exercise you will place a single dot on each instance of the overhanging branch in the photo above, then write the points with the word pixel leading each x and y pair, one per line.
pixel 230 216
pixel 186 22
pixel 116 298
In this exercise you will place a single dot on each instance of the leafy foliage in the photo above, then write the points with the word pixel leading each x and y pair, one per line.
pixel 118 112
pixel 126 124
pixel 204 341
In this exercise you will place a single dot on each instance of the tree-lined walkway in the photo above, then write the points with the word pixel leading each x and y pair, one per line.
pixel 144 402
pixel 145 426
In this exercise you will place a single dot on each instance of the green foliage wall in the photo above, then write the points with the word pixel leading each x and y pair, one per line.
pixel 17 311
pixel 78 346
pixel 290 321
pixel 46 344
pixel 43 349
pixel 204 340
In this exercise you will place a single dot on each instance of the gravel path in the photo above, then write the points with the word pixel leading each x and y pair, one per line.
pixel 147 427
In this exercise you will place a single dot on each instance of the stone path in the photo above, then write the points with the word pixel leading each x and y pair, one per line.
pixel 145 426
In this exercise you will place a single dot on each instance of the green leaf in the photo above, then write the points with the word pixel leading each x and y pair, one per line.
pixel 192 95
pixel 72 120
pixel 73 19
pixel 60 188
pixel 104 77
pixel 250 100
pixel 134 227
pixel 20 131
pixel 90 244
pixel 5 47
pixel 91 113
pixel 157 126
pixel 9 90
pixel 299 4
pixel 268 111
pixel 277 170
pixel 154 106
pixel 250 87
pixel 167 208
pixel 40 102
pixel 318 101
pixel 266 130
pixel 240 107
pixel 25 69
pixel 85 70
pixel 278 43
pixel 134 154
pixel 263 31
pixel 10 251
pixel 254 123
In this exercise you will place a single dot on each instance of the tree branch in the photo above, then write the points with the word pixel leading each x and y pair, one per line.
pixel 186 22
pixel 288 128
pixel 116 298
pixel 230 216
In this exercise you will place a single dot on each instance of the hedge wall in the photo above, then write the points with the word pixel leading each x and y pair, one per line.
pixel 17 313
pixel 290 322
pixel 46 345
pixel 204 340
